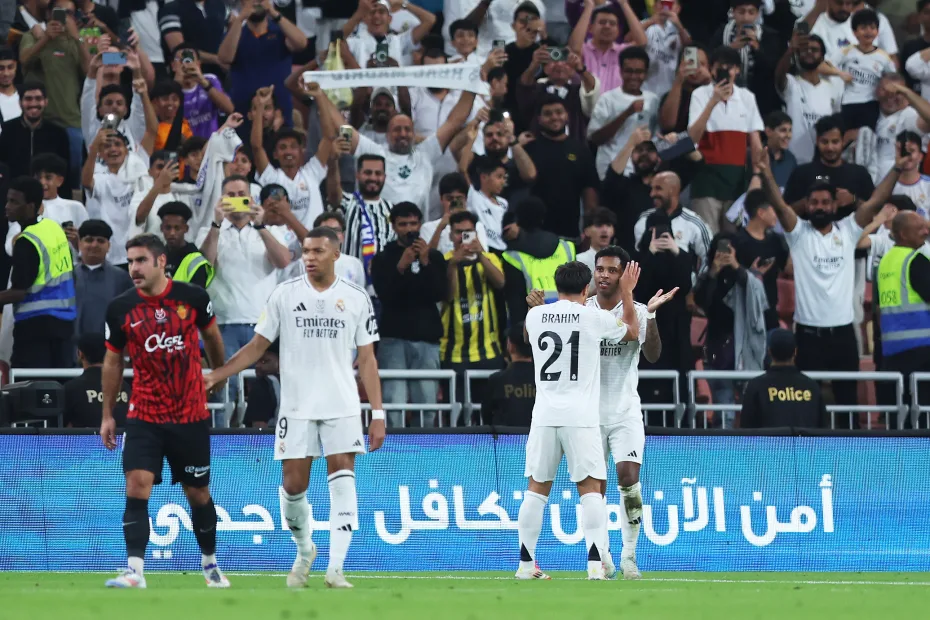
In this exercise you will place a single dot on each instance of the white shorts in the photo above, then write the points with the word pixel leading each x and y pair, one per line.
pixel 581 446
pixel 625 440
pixel 299 439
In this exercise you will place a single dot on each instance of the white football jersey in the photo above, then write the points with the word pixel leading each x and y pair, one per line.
pixel 620 370
pixel 566 340
pixel 318 331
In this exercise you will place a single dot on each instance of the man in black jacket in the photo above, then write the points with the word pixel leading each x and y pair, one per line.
pixel 783 396
pixel 21 139
pixel 84 394
pixel 410 279
pixel 511 393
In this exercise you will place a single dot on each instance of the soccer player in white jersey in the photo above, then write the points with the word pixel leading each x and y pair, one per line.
pixel 319 319
pixel 566 337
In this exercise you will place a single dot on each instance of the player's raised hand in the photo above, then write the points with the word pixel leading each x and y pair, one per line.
pixel 376 434
pixel 108 433
pixel 658 300
pixel 535 298
pixel 630 277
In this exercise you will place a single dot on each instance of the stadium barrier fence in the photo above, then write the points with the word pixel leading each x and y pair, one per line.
pixel 446 500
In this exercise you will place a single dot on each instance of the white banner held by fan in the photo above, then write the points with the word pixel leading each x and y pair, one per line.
pixel 453 77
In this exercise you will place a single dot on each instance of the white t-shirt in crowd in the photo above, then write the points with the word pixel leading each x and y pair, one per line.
pixel 452 11
pixel 498 25
pixel 490 212
pixel 919 192
pixel 363 45
pixel 824 272
pixel 9 107
pixel 428 229
pixel 886 140
pixel 866 68
pixel 620 370
pixel 311 326
pixel 919 69
pixel 837 35
pixel 566 341
pixel 408 177
pixel 663 43
pixel 806 104
pixel 303 191
pixel 611 105
pixel 110 201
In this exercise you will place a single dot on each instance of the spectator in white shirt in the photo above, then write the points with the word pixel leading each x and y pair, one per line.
pixel 486 202
pixel 246 256
pixel 665 37
pixel 51 170
pixel 463 35
pixel 9 96
pixel 496 19
pixel 347 267
pixel 370 24
pixel 163 172
pixel 453 192
pixel 618 112
pixel 830 21
pixel 901 109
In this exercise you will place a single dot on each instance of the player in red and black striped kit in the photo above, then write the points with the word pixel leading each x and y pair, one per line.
pixel 158 324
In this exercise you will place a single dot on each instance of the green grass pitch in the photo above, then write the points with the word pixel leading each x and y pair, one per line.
pixel 473 596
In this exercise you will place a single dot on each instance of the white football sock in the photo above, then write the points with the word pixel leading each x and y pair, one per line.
pixel 529 524
pixel 605 544
pixel 343 516
pixel 297 516
pixel 207 560
pixel 593 522
pixel 631 517
pixel 136 564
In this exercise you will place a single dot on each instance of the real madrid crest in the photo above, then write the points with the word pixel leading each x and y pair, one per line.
pixel 340 306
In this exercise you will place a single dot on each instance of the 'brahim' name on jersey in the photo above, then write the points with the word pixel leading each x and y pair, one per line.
pixel 561 318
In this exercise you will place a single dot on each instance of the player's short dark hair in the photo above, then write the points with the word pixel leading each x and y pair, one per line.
pixel 725 55
pixel 463 216
pixel 235 178
pixel 30 188
pixel 330 215
pixel 369 157
pixel 864 17
pixel 111 89
pixel 516 338
pixel 910 137
pixel 192 145
pixel 453 182
pixel 405 209
pixel 6 53
pixel 485 164
pixel 600 217
pixel 531 213
pixel 822 186
pixel 95 228
pixel 755 200
pixel 324 232
pixel 175 207
pixel 148 241
pixel 499 72
pixel 776 119
pixel 614 251
pixel 92 346
pixel 28 85
pixel 287 133
pixel 267 189
pixel 462 24
pixel 902 202
pixel 572 278
pixel 828 124
pixel 634 52
pixel 50 163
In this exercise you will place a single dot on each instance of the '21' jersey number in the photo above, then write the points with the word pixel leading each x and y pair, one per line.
pixel 557 346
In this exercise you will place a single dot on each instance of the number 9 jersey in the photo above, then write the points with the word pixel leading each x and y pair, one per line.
pixel 566 341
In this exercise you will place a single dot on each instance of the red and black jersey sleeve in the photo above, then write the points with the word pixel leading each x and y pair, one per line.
pixel 200 301
pixel 115 325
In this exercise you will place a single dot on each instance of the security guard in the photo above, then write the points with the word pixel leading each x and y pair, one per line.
pixel 532 258
pixel 185 262
pixel 783 396
pixel 41 283
pixel 904 299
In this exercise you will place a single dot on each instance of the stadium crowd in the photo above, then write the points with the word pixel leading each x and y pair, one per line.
pixel 759 155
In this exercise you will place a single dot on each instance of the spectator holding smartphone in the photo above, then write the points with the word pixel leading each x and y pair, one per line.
pixel 204 97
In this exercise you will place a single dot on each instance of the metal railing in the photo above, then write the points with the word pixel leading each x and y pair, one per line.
pixel 741 375
pixel 916 379
pixel 671 375
pixel 398 375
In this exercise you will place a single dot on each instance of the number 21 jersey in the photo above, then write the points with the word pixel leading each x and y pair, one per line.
pixel 566 341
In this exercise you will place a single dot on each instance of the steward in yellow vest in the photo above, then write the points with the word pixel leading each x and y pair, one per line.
pixel 185 262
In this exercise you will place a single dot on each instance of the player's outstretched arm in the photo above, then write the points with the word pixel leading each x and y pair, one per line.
pixel 368 373
pixel 112 377
pixel 627 283
pixel 213 345
pixel 244 358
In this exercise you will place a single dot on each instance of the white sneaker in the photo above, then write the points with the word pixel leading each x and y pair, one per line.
pixel 596 573
pixel 127 579
pixel 215 577
pixel 610 569
pixel 335 579
pixel 531 573
pixel 300 571
pixel 629 569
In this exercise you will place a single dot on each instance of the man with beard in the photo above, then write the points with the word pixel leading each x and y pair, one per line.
pixel 808 96
pixel 850 181
pixel 823 250
pixel 499 144
pixel 831 21
pixel 21 139
pixel 564 170
pixel 382 107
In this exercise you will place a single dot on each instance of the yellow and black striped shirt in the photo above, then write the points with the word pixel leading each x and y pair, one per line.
pixel 470 322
